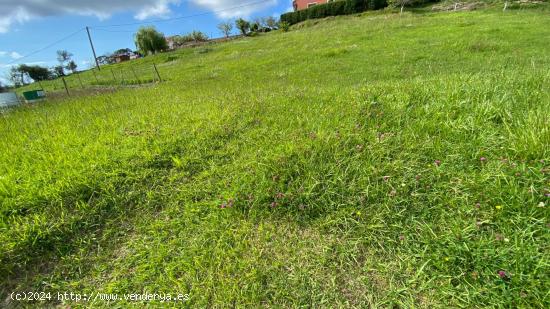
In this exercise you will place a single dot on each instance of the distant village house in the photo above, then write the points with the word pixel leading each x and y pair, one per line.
pixel 304 4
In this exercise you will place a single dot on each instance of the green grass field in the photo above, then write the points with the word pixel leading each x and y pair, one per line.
pixel 371 160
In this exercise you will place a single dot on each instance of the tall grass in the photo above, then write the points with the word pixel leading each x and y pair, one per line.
pixel 361 161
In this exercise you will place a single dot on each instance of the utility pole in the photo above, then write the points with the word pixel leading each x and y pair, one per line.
pixel 93 50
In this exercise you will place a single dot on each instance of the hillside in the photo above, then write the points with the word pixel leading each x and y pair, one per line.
pixel 374 160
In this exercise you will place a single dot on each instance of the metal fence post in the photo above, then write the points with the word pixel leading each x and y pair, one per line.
pixel 157 71
pixel 65 84
pixel 96 80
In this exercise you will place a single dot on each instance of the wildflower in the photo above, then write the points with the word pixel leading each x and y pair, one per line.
pixel 479 224
pixel 230 203
pixel 499 237
pixel 506 239
pixel 446 259
pixel 386 178
pixel 503 275
pixel 498 207
pixel 393 193
pixel 401 237
pixel 478 205
pixel 483 159
pixel 274 204
pixel 517 174
pixel 275 178
pixel 223 205
pixel 359 147
pixel 358 213
pixel 541 205
pixel 475 275
pixel 403 185
pixel 279 195
pixel 437 162
pixel 417 177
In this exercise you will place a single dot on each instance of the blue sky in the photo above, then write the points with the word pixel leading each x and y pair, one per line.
pixel 27 26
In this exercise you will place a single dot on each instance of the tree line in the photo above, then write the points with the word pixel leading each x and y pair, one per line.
pixel 147 40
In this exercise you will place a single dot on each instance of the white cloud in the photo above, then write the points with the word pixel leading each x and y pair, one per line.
pixel 15 55
pixel 11 14
pixel 20 11
pixel 158 9
pixel 242 8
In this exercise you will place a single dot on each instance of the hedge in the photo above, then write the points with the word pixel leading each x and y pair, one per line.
pixel 338 7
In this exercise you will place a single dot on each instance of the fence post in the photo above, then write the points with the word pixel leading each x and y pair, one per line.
pixel 122 75
pixel 65 84
pixel 135 75
pixel 114 77
pixel 80 80
pixel 96 80
pixel 157 71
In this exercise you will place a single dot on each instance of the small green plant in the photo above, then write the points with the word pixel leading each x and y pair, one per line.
pixel 284 26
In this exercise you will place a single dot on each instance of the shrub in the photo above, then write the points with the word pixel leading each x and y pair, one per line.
pixel 285 26
pixel 242 25
pixel 334 8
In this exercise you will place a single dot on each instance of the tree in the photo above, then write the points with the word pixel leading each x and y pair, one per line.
pixel 3 88
pixel 149 41
pixel 35 72
pixel 58 71
pixel 122 51
pixel 242 25
pixel 401 3
pixel 225 28
pixel 16 77
pixel 271 22
pixel 63 56
pixel 254 27
pixel 71 66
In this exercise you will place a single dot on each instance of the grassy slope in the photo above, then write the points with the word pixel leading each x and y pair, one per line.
pixel 121 192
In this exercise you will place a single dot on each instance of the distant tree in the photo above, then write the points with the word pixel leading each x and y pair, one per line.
pixel 225 28
pixel 71 66
pixel 149 41
pixel 3 88
pixel 58 71
pixel 122 51
pixel 271 22
pixel 242 25
pixel 254 27
pixel 63 56
pixel 16 77
pixel 401 3
pixel 35 72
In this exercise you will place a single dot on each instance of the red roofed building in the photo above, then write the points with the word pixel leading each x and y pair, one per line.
pixel 304 4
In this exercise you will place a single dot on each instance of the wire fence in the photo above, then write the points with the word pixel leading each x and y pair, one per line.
pixel 107 77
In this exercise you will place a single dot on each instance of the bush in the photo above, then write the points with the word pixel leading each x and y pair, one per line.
pixel 285 26
pixel 334 8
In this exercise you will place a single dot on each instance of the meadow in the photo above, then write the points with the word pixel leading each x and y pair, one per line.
pixel 374 160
